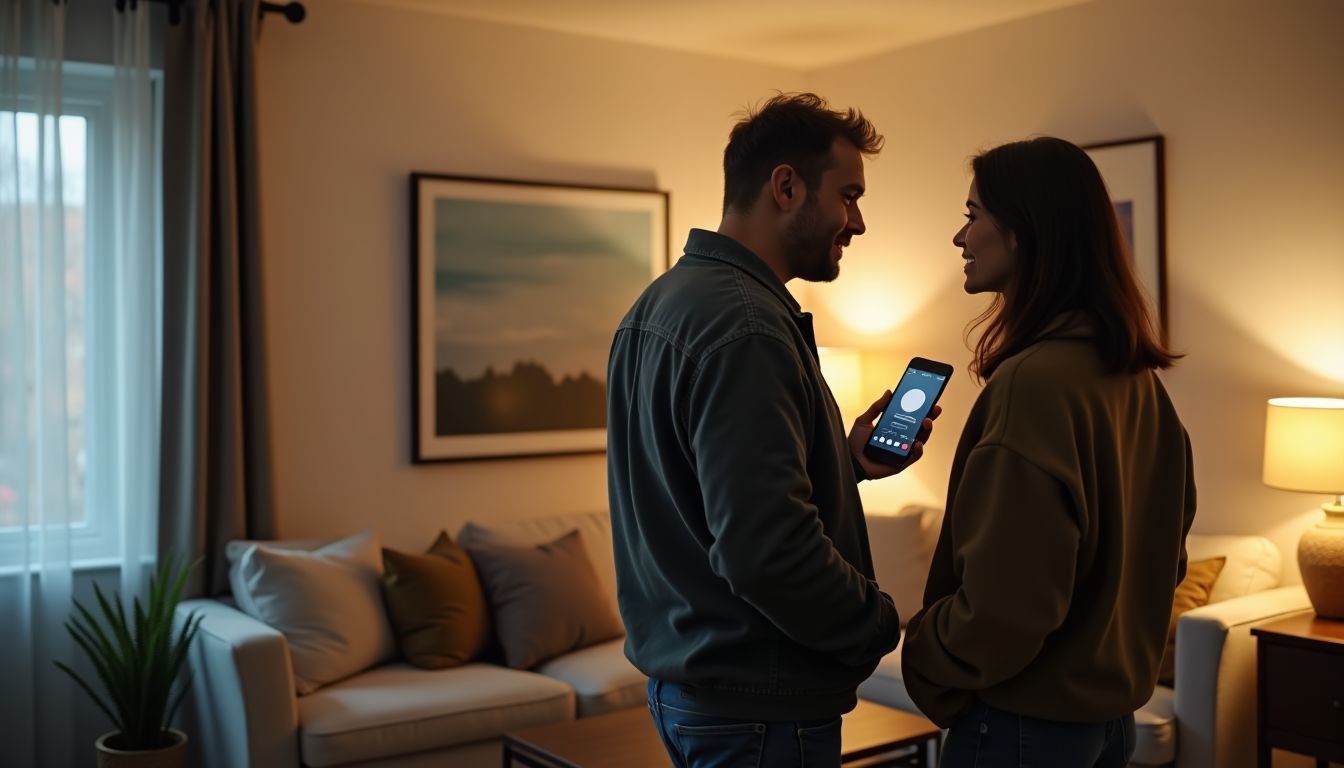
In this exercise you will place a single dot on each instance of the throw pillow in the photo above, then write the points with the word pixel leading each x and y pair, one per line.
pixel 436 605
pixel 327 603
pixel 902 546
pixel 594 528
pixel 1192 592
pixel 545 600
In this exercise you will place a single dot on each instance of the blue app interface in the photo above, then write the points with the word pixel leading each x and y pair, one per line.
pixel 900 423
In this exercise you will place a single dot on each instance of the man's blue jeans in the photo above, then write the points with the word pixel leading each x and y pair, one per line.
pixel 986 737
pixel 694 740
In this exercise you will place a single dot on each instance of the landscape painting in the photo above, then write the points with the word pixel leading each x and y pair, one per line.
pixel 518 288
pixel 1133 170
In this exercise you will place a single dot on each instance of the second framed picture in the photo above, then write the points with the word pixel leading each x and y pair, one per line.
pixel 1133 170
pixel 517 289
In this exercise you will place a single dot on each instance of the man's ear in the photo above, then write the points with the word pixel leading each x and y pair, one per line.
pixel 785 187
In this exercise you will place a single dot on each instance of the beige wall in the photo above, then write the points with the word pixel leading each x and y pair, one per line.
pixel 354 100
pixel 1247 94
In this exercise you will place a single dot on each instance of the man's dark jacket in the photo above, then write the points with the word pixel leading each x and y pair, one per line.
pixel 742 558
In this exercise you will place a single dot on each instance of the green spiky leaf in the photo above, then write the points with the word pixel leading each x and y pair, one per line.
pixel 139 659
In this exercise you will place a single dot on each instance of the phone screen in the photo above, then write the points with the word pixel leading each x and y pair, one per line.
pixel 912 401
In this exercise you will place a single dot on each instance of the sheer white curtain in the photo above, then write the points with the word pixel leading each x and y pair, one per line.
pixel 79 359
pixel 134 294
pixel 36 461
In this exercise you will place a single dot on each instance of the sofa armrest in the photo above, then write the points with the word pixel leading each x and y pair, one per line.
pixel 1216 676
pixel 241 711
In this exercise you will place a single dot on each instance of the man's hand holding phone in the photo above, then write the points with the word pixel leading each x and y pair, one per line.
pixel 862 431
pixel 904 420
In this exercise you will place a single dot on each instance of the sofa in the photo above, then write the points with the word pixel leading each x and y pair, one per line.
pixel 1206 719
pixel 243 710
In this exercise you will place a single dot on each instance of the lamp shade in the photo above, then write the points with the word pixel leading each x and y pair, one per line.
pixel 843 370
pixel 1304 444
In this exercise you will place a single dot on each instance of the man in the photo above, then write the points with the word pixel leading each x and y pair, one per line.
pixel 745 578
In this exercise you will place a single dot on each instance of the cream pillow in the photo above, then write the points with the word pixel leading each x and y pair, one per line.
pixel 327 603
pixel 902 546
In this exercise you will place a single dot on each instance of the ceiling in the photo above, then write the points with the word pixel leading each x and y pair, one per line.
pixel 797 34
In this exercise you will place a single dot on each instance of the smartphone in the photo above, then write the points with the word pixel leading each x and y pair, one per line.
pixel 915 395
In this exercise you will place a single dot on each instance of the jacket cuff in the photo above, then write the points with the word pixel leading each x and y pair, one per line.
pixel 859 473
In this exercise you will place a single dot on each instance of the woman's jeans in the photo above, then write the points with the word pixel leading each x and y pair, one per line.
pixel 990 738
pixel 694 740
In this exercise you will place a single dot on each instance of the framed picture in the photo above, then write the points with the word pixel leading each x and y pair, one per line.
pixel 517 289
pixel 1133 170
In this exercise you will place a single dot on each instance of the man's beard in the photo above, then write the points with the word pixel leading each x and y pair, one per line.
pixel 808 248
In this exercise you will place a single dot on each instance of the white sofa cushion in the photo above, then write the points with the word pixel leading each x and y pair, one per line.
pixel 1155 729
pixel 327 603
pixel 902 546
pixel 1253 563
pixel 234 550
pixel 603 678
pixel 398 709
pixel 886 685
pixel 594 527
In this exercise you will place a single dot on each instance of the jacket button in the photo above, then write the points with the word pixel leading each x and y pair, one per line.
pixel 984 728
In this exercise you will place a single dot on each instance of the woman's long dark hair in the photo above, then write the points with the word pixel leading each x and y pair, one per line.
pixel 1070 257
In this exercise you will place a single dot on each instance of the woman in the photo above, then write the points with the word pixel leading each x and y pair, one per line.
pixel 1046 609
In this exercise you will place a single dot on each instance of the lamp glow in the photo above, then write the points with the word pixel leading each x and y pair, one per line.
pixel 842 367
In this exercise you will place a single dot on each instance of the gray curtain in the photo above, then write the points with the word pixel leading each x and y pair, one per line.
pixel 216 480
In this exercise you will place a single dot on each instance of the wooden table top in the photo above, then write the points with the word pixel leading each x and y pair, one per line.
pixel 1305 625
pixel 625 738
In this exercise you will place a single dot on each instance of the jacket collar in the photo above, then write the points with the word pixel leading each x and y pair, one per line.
pixel 712 245
pixel 1074 324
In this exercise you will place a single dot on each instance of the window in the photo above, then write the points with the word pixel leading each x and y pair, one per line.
pixel 86 178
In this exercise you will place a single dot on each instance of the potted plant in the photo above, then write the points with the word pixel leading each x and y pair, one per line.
pixel 138 660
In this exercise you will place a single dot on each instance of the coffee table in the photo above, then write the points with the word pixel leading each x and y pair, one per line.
pixel 873 735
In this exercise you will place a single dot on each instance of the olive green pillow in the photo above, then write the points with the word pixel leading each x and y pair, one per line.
pixel 1192 592
pixel 436 605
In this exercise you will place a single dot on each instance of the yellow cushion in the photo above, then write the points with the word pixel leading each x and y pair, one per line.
pixel 1193 591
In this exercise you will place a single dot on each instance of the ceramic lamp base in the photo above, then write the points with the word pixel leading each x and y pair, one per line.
pixel 1320 555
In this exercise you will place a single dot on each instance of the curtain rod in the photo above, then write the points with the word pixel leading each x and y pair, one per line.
pixel 293 11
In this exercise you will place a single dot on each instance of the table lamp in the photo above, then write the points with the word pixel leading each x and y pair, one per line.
pixel 1304 451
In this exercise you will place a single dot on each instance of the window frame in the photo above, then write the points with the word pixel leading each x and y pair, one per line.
pixel 87 91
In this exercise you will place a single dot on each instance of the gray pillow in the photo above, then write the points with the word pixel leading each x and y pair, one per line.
pixel 545 600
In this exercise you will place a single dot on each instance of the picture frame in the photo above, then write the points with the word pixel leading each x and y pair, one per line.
pixel 517 288
pixel 1134 171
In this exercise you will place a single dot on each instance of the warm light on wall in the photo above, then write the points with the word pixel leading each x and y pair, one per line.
pixel 881 287
pixel 1304 451
pixel 1307 336
pixel 843 369
pixel 868 308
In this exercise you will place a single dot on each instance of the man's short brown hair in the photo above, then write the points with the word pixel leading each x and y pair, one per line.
pixel 795 129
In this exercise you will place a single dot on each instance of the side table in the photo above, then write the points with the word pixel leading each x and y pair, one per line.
pixel 1301 688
